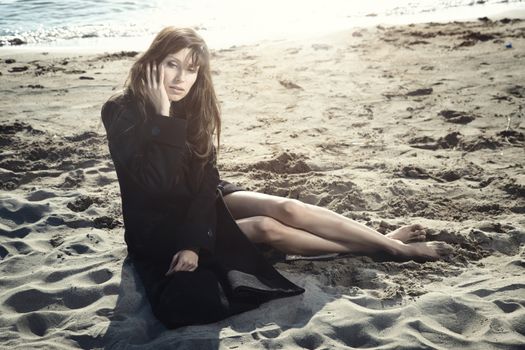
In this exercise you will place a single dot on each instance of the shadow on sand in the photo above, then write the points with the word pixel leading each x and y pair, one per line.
pixel 133 325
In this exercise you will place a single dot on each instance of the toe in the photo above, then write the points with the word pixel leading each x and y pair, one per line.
pixel 416 236
pixel 444 249
pixel 417 226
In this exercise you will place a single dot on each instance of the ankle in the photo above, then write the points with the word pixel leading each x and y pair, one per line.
pixel 397 248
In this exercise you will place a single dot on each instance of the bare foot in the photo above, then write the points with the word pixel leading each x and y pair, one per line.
pixel 409 233
pixel 426 250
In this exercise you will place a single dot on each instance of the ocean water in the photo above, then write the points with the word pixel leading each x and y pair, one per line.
pixel 127 23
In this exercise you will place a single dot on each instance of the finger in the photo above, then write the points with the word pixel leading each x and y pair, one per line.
pixel 154 76
pixel 148 75
pixel 161 75
pixel 187 266
pixel 171 271
pixel 175 259
pixel 172 266
pixel 180 266
pixel 174 262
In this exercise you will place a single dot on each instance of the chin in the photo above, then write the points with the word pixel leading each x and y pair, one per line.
pixel 176 98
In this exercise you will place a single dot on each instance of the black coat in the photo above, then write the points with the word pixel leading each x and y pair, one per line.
pixel 164 213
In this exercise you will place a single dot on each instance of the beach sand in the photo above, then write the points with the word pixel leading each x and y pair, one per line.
pixel 386 125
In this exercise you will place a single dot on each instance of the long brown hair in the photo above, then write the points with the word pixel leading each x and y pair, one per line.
pixel 200 104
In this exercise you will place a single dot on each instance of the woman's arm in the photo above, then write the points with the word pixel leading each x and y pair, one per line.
pixel 153 160
pixel 150 154
pixel 202 210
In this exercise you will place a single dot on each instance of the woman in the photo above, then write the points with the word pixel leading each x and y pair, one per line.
pixel 191 235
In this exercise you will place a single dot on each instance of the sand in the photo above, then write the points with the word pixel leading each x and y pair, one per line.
pixel 386 125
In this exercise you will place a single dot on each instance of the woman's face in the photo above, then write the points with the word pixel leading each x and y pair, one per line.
pixel 179 74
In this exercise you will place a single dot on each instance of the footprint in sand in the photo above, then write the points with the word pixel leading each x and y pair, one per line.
pixel 38 323
pixel 15 212
pixel 507 306
pixel 100 276
pixel 309 341
pixel 33 299
pixel 483 292
pixel 3 252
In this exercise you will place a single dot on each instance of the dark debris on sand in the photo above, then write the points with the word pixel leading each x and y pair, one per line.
pixel 31 154
pixel 16 127
pixel 455 140
pixel 81 203
pixel 18 69
pixel 107 222
pixel 116 56
pixel 420 92
pixel 456 117
pixel 462 34
pixel 515 190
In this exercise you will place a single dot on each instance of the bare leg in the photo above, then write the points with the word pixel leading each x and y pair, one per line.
pixel 328 225
pixel 290 240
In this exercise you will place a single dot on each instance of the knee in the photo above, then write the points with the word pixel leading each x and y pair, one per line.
pixel 293 211
pixel 268 229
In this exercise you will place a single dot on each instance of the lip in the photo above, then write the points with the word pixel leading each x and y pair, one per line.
pixel 176 89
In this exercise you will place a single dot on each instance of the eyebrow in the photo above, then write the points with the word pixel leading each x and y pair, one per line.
pixel 171 57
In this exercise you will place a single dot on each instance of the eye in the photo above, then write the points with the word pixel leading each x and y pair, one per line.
pixel 192 69
pixel 172 64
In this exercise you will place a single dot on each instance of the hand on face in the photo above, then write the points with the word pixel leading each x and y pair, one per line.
pixel 185 260
pixel 155 89
pixel 179 74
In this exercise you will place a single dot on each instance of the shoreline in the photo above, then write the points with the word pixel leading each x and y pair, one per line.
pixel 114 44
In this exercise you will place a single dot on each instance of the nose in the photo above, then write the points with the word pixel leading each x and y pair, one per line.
pixel 181 76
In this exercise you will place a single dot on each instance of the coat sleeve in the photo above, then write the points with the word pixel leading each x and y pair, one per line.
pixel 202 213
pixel 152 156
pixel 155 163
